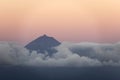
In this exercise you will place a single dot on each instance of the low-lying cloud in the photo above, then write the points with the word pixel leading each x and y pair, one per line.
pixel 68 55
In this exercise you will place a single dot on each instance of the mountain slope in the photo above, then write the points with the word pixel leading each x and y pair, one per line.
pixel 43 44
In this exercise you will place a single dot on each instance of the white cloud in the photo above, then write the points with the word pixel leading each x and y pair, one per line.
pixel 87 54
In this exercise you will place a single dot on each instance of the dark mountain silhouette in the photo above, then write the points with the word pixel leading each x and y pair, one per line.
pixel 43 44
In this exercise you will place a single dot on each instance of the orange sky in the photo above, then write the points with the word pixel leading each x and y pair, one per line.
pixel 67 20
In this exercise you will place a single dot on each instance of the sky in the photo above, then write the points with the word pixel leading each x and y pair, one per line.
pixel 66 20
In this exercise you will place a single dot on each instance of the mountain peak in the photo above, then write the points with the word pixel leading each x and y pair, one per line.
pixel 43 44
pixel 45 36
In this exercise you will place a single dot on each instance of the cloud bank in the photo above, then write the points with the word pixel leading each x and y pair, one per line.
pixel 68 55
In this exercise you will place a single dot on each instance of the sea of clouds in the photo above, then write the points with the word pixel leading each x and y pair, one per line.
pixel 69 55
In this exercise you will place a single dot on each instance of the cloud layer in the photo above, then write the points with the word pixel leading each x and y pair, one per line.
pixel 68 55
